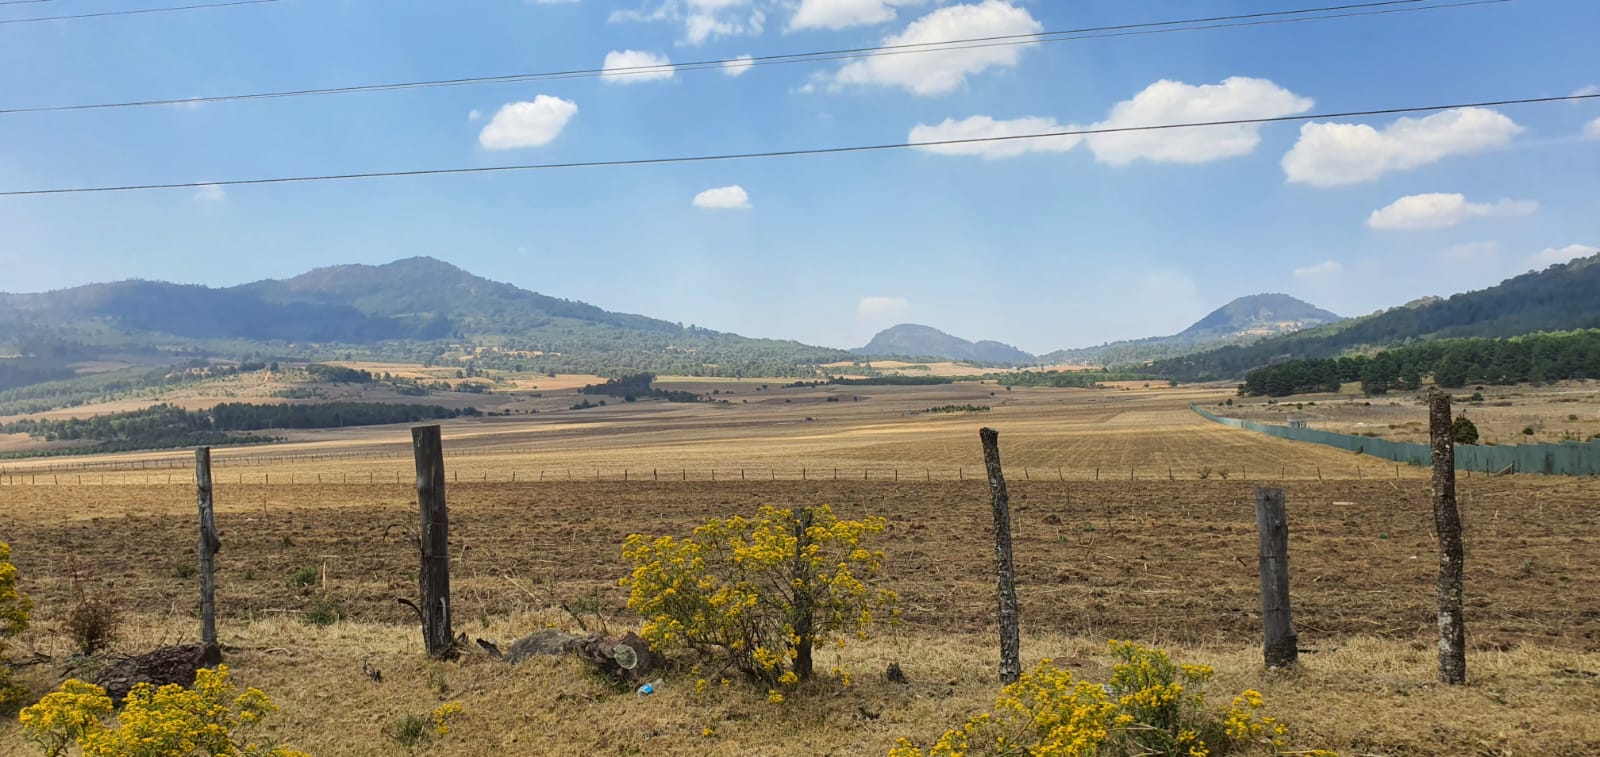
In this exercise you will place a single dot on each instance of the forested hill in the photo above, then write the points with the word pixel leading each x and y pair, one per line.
pixel 1559 298
pixel 917 341
pixel 409 309
pixel 1244 320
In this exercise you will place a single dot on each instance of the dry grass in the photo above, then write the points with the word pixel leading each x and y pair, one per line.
pixel 1358 696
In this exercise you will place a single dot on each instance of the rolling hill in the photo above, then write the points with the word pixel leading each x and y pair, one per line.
pixel 917 341
pixel 413 309
pixel 1245 319
pixel 1561 297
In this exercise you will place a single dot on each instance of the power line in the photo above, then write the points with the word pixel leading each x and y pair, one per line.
pixel 135 12
pixel 1098 32
pixel 791 153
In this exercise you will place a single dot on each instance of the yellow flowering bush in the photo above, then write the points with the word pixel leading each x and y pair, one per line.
pixel 170 721
pixel 761 591
pixel 14 609
pixel 1150 706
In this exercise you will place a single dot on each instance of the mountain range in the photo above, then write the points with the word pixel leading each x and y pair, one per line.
pixel 422 310
pixel 410 309
pixel 1242 320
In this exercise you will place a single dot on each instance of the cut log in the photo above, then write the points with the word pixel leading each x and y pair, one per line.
pixel 627 659
pixel 547 642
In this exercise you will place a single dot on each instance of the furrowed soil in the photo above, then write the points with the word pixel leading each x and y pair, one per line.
pixel 1173 561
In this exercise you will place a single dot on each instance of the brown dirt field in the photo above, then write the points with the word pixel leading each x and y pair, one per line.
pixel 1151 560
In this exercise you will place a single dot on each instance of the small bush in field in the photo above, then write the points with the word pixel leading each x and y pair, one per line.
pixel 412 731
pixel 206 718
pixel 93 624
pixel 305 577
pixel 760 592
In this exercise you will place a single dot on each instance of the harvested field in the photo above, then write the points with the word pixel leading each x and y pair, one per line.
pixel 1157 560
pixel 776 433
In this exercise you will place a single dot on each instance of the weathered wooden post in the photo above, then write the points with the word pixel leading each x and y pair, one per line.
pixel 1005 570
pixel 1447 521
pixel 1279 644
pixel 210 545
pixel 433 543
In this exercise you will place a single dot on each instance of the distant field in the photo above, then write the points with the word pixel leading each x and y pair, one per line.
pixel 776 433
pixel 945 368
pixel 1567 411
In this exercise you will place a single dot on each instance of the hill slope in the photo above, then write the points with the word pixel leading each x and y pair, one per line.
pixel 1561 297
pixel 410 309
pixel 1243 320
pixel 914 340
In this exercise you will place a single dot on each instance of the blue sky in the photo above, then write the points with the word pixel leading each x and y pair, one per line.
pixel 1068 243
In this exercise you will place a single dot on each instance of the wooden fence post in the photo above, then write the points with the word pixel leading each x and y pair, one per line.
pixel 1447 521
pixel 210 545
pixel 433 543
pixel 1280 644
pixel 1005 570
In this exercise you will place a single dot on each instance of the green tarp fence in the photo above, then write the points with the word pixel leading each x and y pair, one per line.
pixel 1565 459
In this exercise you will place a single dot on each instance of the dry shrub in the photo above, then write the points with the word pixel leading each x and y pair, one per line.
pixel 93 624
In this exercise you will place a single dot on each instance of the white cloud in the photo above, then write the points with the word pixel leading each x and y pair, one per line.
pixel 1169 102
pixel 703 20
pixel 1330 154
pixel 474 115
pixel 1438 209
pixel 938 73
pixel 527 124
pixel 723 198
pixel 633 66
pixel 1327 269
pixel 881 309
pixel 1163 102
pixel 1586 90
pixel 984 127
pixel 1550 256
pixel 1591 130
pixel 210 194
pixel 737 66
pixel 838 14
pixel 1470 253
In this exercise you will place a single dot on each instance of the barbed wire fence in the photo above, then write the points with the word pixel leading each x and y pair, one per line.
pixel 260 471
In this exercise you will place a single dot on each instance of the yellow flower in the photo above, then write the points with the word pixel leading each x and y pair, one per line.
pixel 774 697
